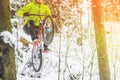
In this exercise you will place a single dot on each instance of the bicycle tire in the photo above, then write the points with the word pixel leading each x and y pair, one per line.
pixel 48 36
pixel 38 58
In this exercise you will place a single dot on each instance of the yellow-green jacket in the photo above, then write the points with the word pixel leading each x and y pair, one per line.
pixel 34 8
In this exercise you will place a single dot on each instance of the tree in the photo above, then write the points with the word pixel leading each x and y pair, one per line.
pixel 100 41
pixel 7 54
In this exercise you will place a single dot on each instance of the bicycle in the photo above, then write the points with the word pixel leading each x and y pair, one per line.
pixel 45 35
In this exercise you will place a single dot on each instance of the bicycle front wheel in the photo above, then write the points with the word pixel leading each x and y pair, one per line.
pixel 36 58
pixel 48 30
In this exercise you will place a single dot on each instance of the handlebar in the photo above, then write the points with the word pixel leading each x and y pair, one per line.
pixel 27 14
pixel 35 15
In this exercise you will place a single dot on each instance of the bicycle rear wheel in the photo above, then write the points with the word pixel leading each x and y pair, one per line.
pixel 48 30
pixel 36 58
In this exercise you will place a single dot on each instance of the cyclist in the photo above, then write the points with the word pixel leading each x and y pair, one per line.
pixel 32 22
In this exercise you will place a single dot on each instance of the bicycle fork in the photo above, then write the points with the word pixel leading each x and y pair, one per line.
pixel 37 43
pixel 40 44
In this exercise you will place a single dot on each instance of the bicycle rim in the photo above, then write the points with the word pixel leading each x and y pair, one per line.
pixel 48 35
pixel 36 58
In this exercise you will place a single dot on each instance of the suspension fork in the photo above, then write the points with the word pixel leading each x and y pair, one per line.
pixel 38 42
pixel 40 36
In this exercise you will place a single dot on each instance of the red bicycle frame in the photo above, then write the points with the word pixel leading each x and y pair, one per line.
pixel 39 41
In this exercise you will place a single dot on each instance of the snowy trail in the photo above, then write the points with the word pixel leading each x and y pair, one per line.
pixel 50 65
pixel 74 58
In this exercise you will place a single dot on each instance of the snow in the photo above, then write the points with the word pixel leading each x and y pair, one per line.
pixel 71 55
pixel 78 61
pixel 8 37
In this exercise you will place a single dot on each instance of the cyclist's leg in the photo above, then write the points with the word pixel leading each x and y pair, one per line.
pixel 26 29
pixel 46 47
pixel 32 29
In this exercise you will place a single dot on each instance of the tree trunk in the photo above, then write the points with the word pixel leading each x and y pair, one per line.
pixel 7 54
pixel 103 63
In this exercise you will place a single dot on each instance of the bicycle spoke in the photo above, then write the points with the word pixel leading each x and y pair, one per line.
pixel 48 30
pixel 37 58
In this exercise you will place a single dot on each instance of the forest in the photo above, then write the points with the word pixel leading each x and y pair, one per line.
pixel 85 45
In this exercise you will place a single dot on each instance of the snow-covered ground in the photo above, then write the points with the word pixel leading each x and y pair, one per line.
pixel 77 61
pixel 73 55
pixel 73 63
